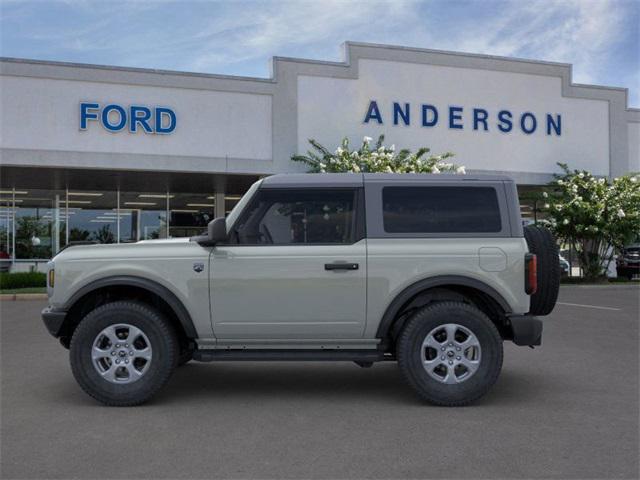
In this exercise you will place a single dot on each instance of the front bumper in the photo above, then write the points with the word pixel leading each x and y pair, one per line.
pixel 54 320
pixel 527 330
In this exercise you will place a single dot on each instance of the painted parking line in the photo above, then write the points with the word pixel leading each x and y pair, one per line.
pixel 587 306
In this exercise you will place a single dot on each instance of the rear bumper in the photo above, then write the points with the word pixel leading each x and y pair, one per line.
pixel 527 330
pixel 54 320
pixel 629 268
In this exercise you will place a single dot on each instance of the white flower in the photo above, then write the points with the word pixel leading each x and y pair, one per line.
pixel 355 168
pixel 461 170
pixel 392 148
pixel 435 169
pixel 565 222
pixel 581 175
pixel 367 139
pixel 621 213
pixel 545 194
pixel 546 205
pixel 560 182
pixel 634 179
pixel 339 151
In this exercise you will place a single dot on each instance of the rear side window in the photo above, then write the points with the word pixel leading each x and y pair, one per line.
pixel 440 210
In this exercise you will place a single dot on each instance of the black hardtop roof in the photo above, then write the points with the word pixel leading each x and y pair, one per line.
pixel 358 179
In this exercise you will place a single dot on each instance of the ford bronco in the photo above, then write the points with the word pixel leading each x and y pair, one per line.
pixel 431 271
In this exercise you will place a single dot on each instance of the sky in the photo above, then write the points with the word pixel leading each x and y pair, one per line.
pixel 601 38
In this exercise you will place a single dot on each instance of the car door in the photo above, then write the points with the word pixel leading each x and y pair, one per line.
pixel 294 267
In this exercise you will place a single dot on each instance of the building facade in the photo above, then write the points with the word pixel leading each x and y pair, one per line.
pixel 110 154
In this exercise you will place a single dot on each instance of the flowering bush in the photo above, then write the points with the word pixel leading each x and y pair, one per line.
pixel 376 158
pixel 594 215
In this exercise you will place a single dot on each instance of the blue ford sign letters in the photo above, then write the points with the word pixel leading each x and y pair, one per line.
pixel 459 118
pixel 115 118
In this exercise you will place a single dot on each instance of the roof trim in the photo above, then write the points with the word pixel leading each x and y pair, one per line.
pixel 348 48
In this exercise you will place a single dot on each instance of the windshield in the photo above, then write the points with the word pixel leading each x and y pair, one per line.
pixel 233 216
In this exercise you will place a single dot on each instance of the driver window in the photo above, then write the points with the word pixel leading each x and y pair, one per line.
pixel 288 217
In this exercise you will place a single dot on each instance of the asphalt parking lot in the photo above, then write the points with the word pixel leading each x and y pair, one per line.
pixel 568 409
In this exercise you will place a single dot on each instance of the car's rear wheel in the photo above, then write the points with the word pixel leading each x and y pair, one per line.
pixel 450 353
pixel 123 352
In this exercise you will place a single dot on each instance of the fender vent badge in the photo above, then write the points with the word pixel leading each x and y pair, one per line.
pixel 198 267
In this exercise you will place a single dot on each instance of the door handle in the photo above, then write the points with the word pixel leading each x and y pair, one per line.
pixel 341 266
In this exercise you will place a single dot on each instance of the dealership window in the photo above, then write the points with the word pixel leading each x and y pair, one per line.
pixel 190 213
pixel 286 217
pixel 144 215
pixel 92 216
pixel 440 210
pixel 6 228
pixel 36 224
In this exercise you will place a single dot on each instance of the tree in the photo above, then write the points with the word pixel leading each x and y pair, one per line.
pixel 594 215
pixel 78 235
pixel 27 228
pixel 104 235
pixel 374 159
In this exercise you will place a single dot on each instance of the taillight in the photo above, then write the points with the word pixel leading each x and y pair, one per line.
pixel 530 273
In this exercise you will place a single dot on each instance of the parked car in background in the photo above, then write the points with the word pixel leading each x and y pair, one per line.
pixel 5 261
pixel 628 263
pixel 565 266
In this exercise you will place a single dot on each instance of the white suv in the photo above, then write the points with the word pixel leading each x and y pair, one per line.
pixel 432 271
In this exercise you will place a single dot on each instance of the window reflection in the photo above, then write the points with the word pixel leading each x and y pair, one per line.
pixel 190 213
pixel 39 223
pixel 144 215
pixel 6 219
pixel 92 216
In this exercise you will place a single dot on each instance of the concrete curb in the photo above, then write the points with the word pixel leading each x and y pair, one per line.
pixel 22 296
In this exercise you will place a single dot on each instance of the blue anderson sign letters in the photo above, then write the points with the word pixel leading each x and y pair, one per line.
pixel 459 118
pixel 114 118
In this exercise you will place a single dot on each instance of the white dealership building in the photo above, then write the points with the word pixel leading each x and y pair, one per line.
pixel 111 154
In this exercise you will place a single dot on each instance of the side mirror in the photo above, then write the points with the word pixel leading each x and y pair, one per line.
pixel 217 230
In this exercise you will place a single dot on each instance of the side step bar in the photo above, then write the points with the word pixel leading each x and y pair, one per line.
pixel 273 355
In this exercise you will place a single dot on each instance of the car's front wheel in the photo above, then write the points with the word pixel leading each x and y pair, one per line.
pixel 450 353
pixel 123 352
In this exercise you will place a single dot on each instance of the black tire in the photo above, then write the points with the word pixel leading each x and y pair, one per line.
pixel 541 242
pixel 409 353
pixel 164 347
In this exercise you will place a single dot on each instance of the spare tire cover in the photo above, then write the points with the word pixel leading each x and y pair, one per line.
pixel 541 242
